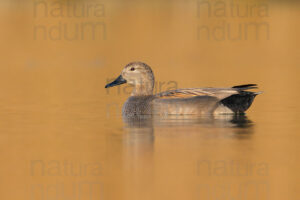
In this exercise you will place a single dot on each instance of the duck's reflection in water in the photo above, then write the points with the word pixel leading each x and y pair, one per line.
pixel 206 126
pixel 144 132
pixel 144 128
pixel 138 157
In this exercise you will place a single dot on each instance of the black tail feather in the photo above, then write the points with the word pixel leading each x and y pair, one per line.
pixel 245 86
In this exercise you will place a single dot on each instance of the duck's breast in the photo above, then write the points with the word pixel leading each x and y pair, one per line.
pixel 138 105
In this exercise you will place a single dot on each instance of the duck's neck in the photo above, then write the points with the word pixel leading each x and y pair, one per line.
pixel 142 90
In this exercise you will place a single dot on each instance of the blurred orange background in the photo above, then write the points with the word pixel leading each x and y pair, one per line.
pixel 55 108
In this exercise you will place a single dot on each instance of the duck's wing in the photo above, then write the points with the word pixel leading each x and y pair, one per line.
pixel 205 100
pixel 183 93
pixel 219 93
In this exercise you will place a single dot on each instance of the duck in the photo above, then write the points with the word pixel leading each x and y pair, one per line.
pixel 185 101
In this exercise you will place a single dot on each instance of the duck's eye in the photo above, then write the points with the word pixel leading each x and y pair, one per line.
pixel 132 69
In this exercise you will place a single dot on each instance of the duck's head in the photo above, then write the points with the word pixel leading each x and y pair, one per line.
pixel 137 74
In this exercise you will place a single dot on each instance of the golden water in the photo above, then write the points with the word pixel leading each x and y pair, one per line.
pixel 62 135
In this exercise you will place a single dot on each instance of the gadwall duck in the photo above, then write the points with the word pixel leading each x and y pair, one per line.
pixel 181 101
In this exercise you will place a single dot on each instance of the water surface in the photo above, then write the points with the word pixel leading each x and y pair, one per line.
pixel 62 134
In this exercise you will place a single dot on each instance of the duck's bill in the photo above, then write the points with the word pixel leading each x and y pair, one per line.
pixel 120 80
